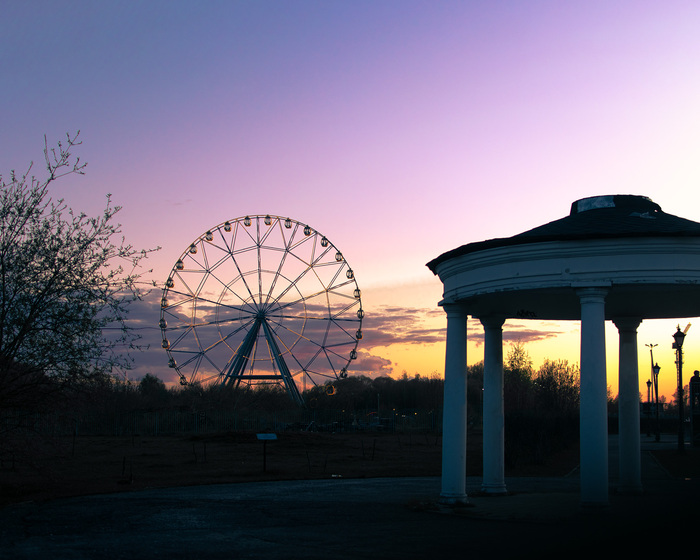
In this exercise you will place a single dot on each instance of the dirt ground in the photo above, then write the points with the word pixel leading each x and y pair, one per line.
pixel 90 465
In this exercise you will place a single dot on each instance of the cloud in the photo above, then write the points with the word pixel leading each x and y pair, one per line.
pixel 382 327
pixel 367 363
pixel 390 325
pixel 515 332
pixel 400 325
pixel 143 317
pixel 182 202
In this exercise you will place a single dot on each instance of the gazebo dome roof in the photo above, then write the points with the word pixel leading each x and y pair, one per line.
pixel 647 261
pixel 597 217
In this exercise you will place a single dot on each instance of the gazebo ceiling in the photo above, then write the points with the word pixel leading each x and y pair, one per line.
pixel 649 262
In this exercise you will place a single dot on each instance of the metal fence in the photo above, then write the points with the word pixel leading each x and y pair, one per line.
pixel 172 422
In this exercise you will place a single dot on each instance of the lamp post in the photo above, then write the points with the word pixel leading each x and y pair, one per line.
pixel 651 352
pixel 655 378
pixel 656 369
pixel 648 408
pixel 679 337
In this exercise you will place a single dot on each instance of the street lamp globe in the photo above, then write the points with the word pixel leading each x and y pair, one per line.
pixel 679 337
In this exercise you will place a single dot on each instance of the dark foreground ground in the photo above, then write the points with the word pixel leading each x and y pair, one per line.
pixel 378 515
pixel 91 465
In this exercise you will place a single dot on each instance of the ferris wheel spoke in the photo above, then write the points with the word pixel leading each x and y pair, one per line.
pixel 187 297
pixel 259 275
pixel 241 274
pixel 276 277
pixel 341 311
pixel 318 260
pixel 315 260
pixel 295 359
pixel 268 233
pixel 218 322
pixel 194 356
pixel 232 334
pixel 226 247
pixel 171 308
pixel 330 347
pixel 213 303
pixel 289 241
pixel 352 338
pixel 190 256
pixel 327 355
pixel 243 250
pixel 195 369
pixel 292 284
pixel 322 292
pixel 189 326
pixel 205 257
pixel 297 335
pixel 223 259
pixel 207 358
pixel 302 299
pixel 331 282
pixel 287 232
pixel 318 352
pixel 335 288
pixel 302 240
pixel 185 331
pixel 246 233
pixel 300 337
pixel 327 322
pixel 180 277
pixel 196 361
pixel 227 289
pixel 285 320
pixel 222 244
pixel 308 268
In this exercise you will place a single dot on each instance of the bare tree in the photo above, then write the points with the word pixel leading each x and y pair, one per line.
pixel 66 282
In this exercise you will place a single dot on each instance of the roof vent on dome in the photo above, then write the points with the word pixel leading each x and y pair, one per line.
pixel 626 202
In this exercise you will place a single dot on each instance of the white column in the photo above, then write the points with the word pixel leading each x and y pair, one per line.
pixel 628 408
pixel 594 414
pixel 454 416
pixel 493 442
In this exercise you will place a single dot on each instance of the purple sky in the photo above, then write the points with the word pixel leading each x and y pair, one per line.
pixel 399 129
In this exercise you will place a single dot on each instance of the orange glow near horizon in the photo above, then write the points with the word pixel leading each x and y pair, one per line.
pixel 428 359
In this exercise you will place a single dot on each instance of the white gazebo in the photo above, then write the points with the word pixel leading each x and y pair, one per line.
pixel 616 257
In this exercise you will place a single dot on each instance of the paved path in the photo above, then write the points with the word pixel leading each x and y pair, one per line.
pixel 356 519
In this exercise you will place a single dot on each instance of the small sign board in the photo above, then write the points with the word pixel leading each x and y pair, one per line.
pixel 265 438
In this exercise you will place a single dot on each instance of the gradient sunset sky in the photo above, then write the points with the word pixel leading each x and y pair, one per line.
pixel 399 129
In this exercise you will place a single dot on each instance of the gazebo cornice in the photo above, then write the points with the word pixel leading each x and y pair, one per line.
pixel 616 260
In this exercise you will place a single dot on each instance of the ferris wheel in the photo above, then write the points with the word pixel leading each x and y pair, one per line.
pixel 261 300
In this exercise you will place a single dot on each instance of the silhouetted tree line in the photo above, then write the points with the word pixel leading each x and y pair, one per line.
pixel 384 394
pixel 352 394
pixel 550 391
